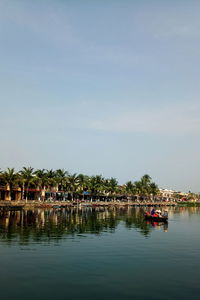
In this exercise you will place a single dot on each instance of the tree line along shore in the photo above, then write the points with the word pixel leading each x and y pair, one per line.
pixel 60 185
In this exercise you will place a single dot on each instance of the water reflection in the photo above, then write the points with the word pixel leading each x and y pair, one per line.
pixel 45 225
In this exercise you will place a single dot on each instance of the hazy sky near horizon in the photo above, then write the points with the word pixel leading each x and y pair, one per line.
pixel 102 87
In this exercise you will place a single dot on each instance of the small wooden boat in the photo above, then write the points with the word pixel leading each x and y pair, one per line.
pixel 155 219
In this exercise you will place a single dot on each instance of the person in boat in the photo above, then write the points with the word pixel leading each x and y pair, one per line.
pixel 159 214
pixel 165 213
pixel 153 211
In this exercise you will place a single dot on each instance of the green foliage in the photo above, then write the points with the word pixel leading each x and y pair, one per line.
pixel 10 177
pixel 96 186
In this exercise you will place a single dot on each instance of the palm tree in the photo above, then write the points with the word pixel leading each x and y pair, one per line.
pixel 27 175
pixel 72 184
pixel 132 189
pixel 112 186
pixel 41 174
pixel 146 179
pixel 96 185
pixel 42 180
pixel 145 187
pixel 83 183
pixel 2 183
pixel 154 190
pixel 9 177
pixel 61 176
pixel 1 179
pixel 51 178
pixel 138 188
pixel 129 187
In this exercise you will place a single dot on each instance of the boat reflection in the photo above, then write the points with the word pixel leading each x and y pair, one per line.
pixel 159 225
pixel 45 225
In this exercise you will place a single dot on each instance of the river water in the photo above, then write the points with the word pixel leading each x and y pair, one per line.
pixel 99 253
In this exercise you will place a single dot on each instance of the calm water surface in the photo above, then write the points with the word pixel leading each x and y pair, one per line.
pixel 99 253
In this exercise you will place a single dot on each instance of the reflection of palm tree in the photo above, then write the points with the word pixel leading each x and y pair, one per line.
pixel 136 220
pixel 43 225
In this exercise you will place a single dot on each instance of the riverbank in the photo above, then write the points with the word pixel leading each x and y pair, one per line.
pixel 189 204
pixel 57 204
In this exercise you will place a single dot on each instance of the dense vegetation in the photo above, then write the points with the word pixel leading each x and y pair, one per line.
pixel 76 185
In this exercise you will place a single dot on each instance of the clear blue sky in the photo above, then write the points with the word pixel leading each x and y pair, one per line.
pixel 102 87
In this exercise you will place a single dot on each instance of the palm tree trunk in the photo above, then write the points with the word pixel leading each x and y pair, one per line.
pixel 23 191
pixel 8 193
pixel 27 193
